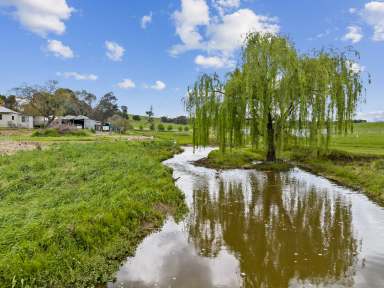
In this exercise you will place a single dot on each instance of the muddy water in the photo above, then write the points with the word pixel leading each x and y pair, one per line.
pixel 261 229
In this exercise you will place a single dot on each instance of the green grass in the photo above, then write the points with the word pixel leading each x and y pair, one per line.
pixel 69 214
pixel 368 138
pixel 235 158
pixel 52 132
pixel 181 138
pixel 358 171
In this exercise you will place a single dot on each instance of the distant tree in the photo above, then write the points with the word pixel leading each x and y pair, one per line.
pixel 120 123
pixel 160 127
pixel 150 114
pixel 169 127
pixel 45 100
pixel 86 96
pixel 183 120
pixel 136 117
pixel 124 112
pixel 164 119
pixel 106 108
pixel 9 101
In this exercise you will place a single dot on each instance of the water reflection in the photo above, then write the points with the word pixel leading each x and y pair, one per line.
pixel 284 231
pixel 256 229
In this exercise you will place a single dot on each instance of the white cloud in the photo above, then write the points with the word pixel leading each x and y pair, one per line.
pixel 41 16
pixel 355 67
pixel 352 10
pixel 373 14
pixel 115 52
pixel 229 34
pixel 354 34
pixel 212 62
pixel 146 20
pixel 193 13
pixel 59 49
pixel 126 84
pixel 228 3
pixel 224 5
pixel 220 35
pixel 78 76
pixel 159 85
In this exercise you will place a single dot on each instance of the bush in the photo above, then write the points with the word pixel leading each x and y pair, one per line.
pixel 160 127
pixel 136 117
pixel 170 128
pixel 57 132
pixel 152 127
pixel 180 129
pixel 46 133
pixel 186 128
pixel 141 127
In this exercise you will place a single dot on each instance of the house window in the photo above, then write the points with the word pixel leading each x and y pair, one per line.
pixel 1 116
pixel 23 119
pixel 13 118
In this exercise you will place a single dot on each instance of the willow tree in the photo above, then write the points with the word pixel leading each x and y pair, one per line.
pixel 277 95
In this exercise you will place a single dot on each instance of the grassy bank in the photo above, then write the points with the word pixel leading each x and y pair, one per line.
pixel 361 172
pixel 70 213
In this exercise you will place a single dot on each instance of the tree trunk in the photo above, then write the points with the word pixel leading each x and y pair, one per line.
pixel 50 120
pixel 271 149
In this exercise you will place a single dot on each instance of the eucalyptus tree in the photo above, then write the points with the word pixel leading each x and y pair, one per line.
pixel 277 95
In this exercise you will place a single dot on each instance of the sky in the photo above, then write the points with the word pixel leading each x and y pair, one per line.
pixel 149 51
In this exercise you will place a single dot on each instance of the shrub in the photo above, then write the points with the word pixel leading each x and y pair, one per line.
pixel 57 132
pixel 169 127
pixel 180 129
pixel 152 126
pixel 186 128
pixel 160 127
pixel 136 117
pixel 141 127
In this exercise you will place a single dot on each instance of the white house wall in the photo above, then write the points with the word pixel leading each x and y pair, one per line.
pixel 7 121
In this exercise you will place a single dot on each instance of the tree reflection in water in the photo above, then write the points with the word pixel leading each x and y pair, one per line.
pixel 281 231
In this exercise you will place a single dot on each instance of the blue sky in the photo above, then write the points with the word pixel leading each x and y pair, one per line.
pixel 148 52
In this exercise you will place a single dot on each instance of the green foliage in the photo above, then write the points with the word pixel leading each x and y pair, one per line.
pixel 69 214
pixel 169 127
pixel 180 128
pixel 186 128
pixel 152 126
pixel 141 127
pixel 160 127
pixel 121 123
pixel 277 97
pixel 136 117
pixel 55 132
pixel 106 108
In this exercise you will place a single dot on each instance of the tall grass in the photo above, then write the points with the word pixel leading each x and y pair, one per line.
pixel 69 214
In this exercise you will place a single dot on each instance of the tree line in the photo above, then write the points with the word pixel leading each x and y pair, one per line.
pixel 276 97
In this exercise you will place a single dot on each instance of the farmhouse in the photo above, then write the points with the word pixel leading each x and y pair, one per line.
pixel 13 119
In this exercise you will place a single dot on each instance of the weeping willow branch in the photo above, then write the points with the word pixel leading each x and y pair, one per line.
pixel 276 97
